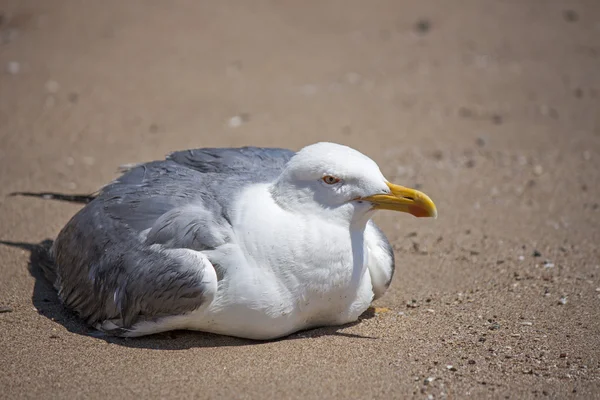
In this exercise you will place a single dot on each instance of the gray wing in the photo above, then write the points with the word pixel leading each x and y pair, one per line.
pixel 111 260
pixel 227 160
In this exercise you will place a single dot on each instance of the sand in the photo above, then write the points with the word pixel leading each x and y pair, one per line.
pixel 491 107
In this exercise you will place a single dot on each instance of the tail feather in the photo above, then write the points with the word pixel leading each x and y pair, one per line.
pixel 72 198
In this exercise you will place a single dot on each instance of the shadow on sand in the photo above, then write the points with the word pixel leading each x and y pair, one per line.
pixel 45 300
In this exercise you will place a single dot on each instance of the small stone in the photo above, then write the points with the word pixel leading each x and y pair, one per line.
pixel 497 119
pixel 52 86
pixel 13 67
pixel 451 368
pixel 471 362
pixel 548 264
pixel 423 26
pixel 5 309
pixel 430 310
pixel 563 355
pixel 536 253
pixel 494 326
pixel 428 380
pixel 570 16
pixel 562 301
pixel 527 323
pixel 53 336
pixel 235 122
pixel 521 258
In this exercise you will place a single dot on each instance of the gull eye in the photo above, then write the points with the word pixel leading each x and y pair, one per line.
pixel 330 180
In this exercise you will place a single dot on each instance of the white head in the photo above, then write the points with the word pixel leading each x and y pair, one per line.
pixel 338 182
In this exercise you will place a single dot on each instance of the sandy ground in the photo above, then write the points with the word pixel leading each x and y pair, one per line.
pixel 491 107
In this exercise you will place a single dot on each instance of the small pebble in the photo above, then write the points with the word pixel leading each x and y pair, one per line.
pixel 5 309
pixel 563 355
pixel 451 368
pixel 13 67
pixel 494 326
pixel 548 264
pixel 562 301
pixel 52 86
pixel 521 258
pixel 570 16
pixel 527 323
pixel 471 362
pixel 423 26
pixel 428 380
pixel 536 253
pixel 497 119
pixel 235 122
pixel 53 336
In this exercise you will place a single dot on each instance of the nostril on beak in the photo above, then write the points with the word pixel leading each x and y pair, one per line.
pixel 409 198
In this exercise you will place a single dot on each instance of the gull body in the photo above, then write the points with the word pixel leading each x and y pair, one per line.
pixel 255 243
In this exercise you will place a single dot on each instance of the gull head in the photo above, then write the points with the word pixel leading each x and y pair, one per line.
pixel 336 181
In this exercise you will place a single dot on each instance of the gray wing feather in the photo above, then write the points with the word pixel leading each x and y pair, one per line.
pixel 104 272
pixel 227 160
pixel 111 260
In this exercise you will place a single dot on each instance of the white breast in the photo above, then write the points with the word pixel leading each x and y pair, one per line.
pixel 288 272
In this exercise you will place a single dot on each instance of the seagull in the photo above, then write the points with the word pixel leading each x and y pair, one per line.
pixel 249 242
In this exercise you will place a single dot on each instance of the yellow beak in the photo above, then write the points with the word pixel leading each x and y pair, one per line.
pixel 404 199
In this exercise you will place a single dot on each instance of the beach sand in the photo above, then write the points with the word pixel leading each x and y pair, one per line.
pixel 490 107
